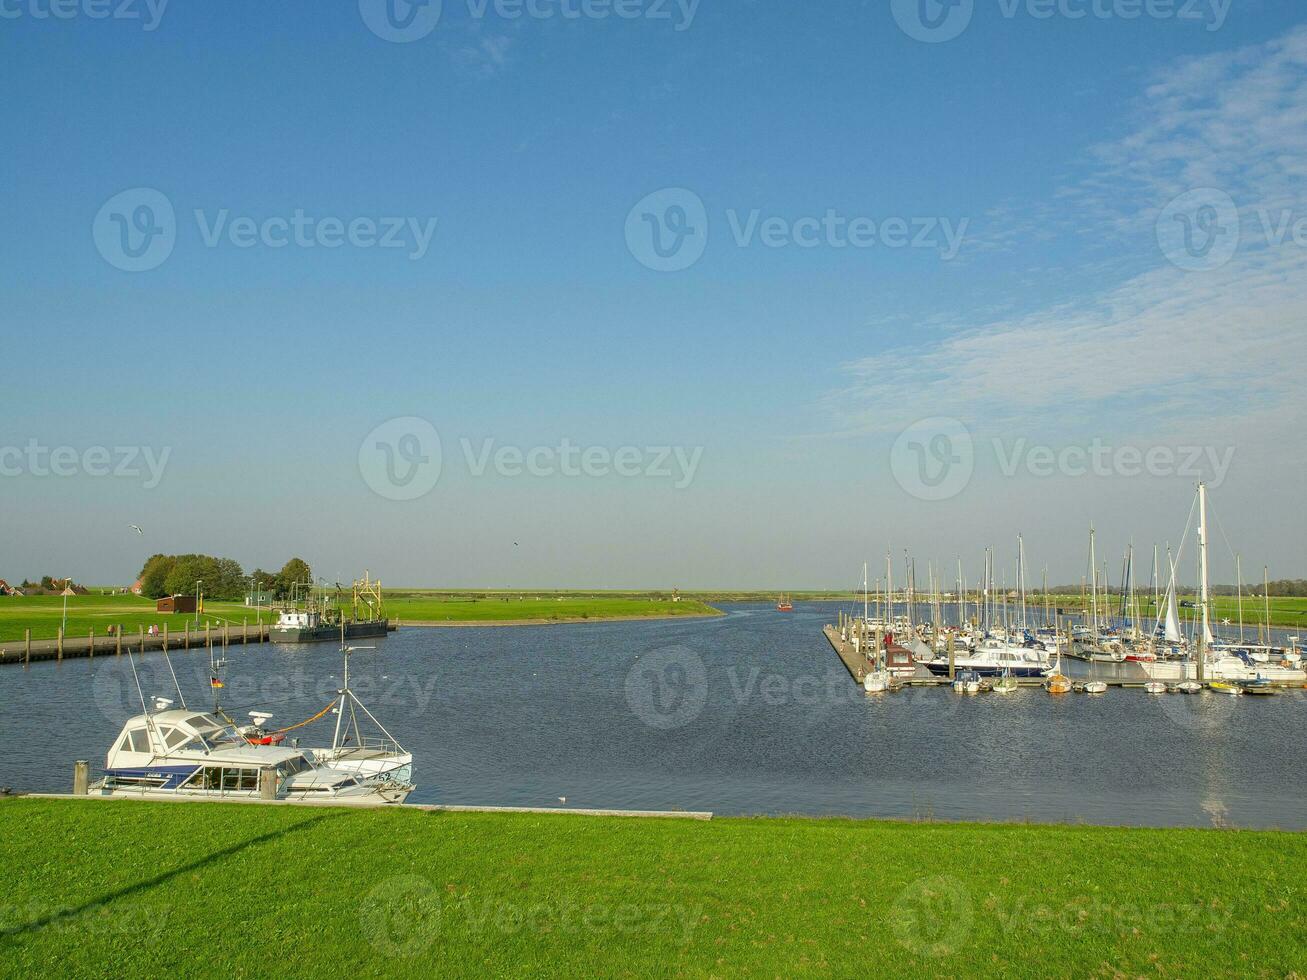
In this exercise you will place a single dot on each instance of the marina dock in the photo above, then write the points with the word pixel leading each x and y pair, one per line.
pixel 208 637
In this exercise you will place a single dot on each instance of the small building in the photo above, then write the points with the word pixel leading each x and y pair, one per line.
pixel 258 599
pixel 176 604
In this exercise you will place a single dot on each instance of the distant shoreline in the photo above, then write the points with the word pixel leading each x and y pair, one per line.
pixel 561 621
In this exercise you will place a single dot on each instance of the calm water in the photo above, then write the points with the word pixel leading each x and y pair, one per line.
pixel 751 713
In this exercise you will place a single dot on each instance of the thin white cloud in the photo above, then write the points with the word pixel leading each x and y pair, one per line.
pixel 1159 349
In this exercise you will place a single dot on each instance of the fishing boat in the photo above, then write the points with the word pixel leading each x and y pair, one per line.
pixel 783 604
pixel 179 753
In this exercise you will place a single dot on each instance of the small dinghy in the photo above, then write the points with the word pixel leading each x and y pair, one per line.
pixel 1156 687
pixel 1189 687
pixel 1225 687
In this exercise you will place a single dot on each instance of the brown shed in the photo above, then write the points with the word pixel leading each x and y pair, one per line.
pixel 176 604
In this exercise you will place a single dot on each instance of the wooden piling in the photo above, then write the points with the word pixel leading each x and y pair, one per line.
pixel 59 643
pixel 226 636
pixel 188 634
pixel 952 655
pixel 267 784
pixel 208 636
pixel 81 778
pixel 165 637
pixel 90 644
pixel 118 633
pixel 245 631
pixel 27 641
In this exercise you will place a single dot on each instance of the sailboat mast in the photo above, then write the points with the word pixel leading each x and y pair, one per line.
pixel 1203 597
pixel 1238 587
pixel 1093 584
pixel 1266 597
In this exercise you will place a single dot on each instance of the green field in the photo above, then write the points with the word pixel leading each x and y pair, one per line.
pixel 1287 611
pixel 43 614
pixel 419 605
pixel 132 889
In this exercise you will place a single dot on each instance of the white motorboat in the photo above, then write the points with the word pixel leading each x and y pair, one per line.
pixel 179 753
pixel 993 657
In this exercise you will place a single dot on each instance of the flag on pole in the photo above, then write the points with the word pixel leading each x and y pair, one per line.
pixel 214 682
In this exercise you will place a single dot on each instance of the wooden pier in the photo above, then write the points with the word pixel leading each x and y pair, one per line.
pixel 208 637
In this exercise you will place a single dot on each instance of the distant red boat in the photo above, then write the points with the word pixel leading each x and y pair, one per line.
pixel 784 605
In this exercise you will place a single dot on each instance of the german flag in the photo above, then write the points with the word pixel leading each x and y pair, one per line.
pixel 214 682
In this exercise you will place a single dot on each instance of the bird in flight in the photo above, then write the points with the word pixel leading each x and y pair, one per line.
pixel 136 528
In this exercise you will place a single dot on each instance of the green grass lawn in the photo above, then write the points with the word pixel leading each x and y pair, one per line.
pixel 423 606
pixel 128 888
pixel 1286 611
pixel 43 615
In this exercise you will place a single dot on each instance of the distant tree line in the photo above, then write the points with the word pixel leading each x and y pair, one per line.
pixel 223 578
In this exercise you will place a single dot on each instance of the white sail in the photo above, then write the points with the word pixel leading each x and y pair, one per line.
pixel 1173 634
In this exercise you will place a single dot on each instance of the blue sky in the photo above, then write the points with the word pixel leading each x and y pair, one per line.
pixel 1053 144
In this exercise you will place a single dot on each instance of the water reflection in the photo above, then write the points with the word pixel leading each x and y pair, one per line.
pixel 750 713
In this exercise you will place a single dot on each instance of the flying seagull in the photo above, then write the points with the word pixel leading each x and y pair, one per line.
pixel 136 528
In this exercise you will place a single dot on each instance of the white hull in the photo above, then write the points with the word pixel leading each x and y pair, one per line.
pixel 1221 670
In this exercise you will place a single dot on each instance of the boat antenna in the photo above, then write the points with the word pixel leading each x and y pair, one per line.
pixel 177 686
pixel 137 679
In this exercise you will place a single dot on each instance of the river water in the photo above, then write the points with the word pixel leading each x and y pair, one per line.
pixel 751 713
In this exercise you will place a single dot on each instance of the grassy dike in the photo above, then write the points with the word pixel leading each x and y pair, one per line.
pixel 125 888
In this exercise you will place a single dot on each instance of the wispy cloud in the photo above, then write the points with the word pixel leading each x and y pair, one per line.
pixel 1157 349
